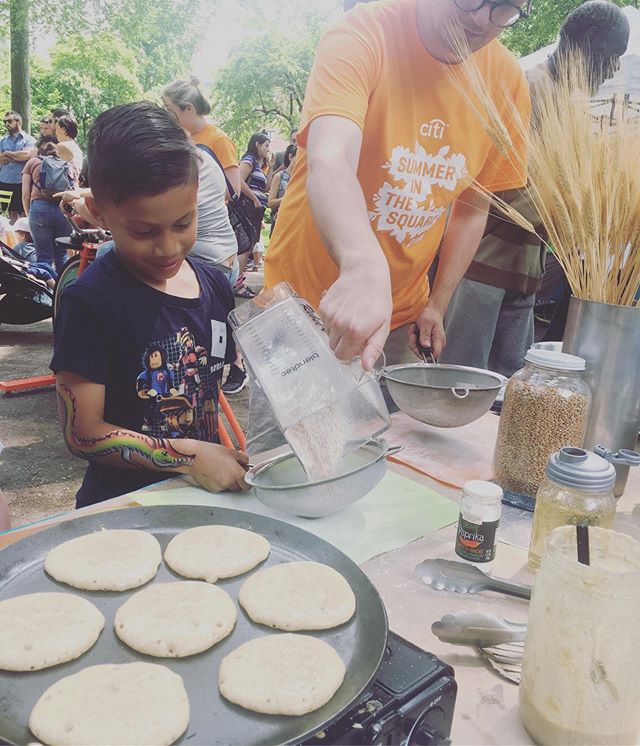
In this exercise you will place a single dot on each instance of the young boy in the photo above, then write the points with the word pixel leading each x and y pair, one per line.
pixel 141 337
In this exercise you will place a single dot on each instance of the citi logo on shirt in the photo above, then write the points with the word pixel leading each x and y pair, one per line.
pixel 435 129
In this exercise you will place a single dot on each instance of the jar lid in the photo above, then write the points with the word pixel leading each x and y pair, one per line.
pixel 554 359
pixel 485 492
pixel 582 470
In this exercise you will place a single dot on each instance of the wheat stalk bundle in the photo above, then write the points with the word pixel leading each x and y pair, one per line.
pixel 584 180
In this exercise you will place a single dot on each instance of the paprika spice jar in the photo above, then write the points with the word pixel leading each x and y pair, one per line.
pixel 480 510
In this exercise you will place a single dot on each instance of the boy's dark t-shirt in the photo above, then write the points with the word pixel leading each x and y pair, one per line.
pixel 160 358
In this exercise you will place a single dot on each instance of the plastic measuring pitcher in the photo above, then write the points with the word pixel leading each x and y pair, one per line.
pixel 287 351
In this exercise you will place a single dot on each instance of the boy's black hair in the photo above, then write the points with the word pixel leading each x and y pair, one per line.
pixel 59 112
pixel 68 124
pixel 138 150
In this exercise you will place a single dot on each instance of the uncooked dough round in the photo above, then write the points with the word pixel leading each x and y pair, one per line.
pixel 40 630
pixel 173 620
pixel 281 674
pixel 298 596
pixel 106 560
pixel 133 703
pixel 213 552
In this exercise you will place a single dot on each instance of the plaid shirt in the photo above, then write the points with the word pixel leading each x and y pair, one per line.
pixel 508 256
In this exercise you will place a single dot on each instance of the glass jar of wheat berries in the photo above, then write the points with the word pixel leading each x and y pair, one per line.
pixel 546 407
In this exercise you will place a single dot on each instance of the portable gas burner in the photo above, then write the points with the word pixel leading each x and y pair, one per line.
pixel 410 703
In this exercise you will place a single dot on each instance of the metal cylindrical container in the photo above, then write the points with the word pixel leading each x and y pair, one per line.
pixel 608 338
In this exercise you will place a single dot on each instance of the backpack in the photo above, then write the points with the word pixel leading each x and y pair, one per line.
pixel 56 176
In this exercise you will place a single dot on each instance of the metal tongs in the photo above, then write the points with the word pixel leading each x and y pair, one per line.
pixel 461 577
pixel 499 641
pixel 479 629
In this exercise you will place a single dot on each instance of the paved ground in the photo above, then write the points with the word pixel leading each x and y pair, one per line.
pixel 38 476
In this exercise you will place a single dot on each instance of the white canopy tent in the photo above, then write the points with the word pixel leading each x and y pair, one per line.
pixel 626 81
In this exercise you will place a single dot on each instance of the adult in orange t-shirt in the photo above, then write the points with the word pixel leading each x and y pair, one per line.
pixel 185 100
pixel 386 143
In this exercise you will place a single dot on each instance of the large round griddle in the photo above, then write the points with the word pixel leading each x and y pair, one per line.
pixel 360 643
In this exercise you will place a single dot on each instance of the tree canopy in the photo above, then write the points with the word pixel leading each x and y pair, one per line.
pixel 113 51
pixel 108 51
pixel 84 82
pixel 263 83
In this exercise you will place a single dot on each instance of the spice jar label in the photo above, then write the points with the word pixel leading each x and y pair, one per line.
pixel 476 541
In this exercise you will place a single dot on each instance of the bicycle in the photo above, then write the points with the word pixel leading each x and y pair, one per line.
pixel 85 242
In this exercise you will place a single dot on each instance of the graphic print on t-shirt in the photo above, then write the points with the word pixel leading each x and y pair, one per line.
pixel 179 384
pixel 406 207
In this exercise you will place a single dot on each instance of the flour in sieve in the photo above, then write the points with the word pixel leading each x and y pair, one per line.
pixel 319 441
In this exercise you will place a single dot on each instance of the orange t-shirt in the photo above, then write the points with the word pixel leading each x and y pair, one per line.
pixel 420 137
pixel 221 144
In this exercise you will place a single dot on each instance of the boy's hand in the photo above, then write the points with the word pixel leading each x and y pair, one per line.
pixel 217 468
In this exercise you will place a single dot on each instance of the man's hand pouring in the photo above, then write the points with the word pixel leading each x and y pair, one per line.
pixel 356 311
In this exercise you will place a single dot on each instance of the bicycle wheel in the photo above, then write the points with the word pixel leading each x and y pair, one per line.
pixel 68 275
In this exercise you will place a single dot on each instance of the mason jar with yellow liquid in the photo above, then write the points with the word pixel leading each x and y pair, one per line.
pixel 578 488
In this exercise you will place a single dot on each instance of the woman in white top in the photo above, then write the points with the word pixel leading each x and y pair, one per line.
pixel 68 149
pixel 215 241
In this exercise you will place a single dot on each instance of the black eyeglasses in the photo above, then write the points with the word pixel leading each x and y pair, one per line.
pixel 501 14
pixel 8 121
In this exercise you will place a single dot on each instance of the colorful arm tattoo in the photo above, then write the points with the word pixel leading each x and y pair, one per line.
pixel 134 448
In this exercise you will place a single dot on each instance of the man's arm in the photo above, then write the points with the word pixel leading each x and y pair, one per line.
pixel 18 156
pixel 88 436
pixel 356 309
pixel 459 244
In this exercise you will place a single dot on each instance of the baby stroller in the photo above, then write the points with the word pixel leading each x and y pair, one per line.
pixel 23 299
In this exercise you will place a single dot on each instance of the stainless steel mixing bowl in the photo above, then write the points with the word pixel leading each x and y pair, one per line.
pixel 281 482
pixel 443 395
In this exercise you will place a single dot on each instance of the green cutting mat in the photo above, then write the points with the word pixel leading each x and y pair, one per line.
pixel 398 510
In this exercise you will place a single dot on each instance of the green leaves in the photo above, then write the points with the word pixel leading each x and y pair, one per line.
pixel 263 84
pixel 110 51
pixel 162 34
pixel 88 74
